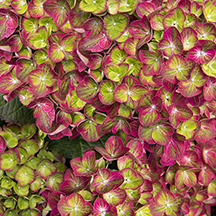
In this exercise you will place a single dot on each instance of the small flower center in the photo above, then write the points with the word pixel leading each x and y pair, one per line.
pixel 104 181
pixel 168 205
pixel 129 93
pixel 23 97
pixel 203 36
pixel 127 180
pixel 125 34
pixel 202 53
pixel 21 3
pixel 175 110
pixel 15 81
pixel 103 212
pixel 172 46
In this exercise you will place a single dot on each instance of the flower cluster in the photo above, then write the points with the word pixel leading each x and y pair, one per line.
pixel 138 186
pixel 143 70
pixel 27 171
pixel 90 67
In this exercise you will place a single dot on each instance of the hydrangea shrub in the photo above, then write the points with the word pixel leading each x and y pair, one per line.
pixel 142 70
pixel 138 186
pixel 27 171
pixel 91 67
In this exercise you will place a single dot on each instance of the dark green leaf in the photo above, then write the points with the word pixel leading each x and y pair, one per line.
pixel 76 147
pixel 15 112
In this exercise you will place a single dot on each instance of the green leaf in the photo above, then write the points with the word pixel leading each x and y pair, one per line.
pixel 37 184
pixel 46 168
pixel 43 154
pixel 32 212
pixel 10 203
pixel 209 68
pixel 94 6
pixel 12 173
pixel 188 128
pixel 4 67
pixel 116 73
pixel 76 147
pixel 33 162
pixel 25 175
pixel 23 155
pixel 8 160
pixel 144 210
pixel 30 25
pixel 112 6
pixel 88 196
pixel 23 202
pixel 31 146
pixel 117 55
pixel 11 141
pixel 48 22
pixel 174 18
pixel 106 92
pixel 10 213
pixel 41 56
pixel 39 40
pixel 15 112
pixel 34 200
pixel 134 66
pixel 127 6
pixel 21 191
pixel 115 25
pixel 162 134
pixel 7 183
pixel 28 130
pixel 210 13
